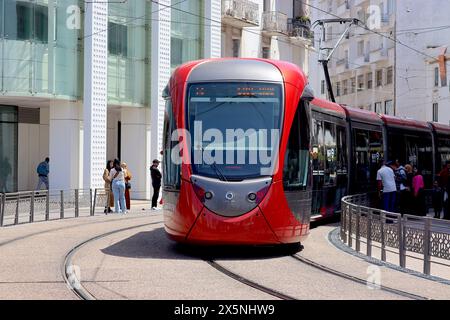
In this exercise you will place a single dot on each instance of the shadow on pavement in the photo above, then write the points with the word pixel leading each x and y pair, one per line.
pixel 154 244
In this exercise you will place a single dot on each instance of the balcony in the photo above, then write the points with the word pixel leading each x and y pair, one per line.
pixel 274 23
pixel 240 13
pixel 299 31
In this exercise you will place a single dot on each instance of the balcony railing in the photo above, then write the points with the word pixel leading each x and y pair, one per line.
pixel 300 30
pixel 240 13
pixel 275 23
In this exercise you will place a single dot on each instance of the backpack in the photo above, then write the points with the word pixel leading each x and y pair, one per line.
pixel 41 169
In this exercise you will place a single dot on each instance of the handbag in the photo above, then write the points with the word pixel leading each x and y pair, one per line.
pixel 127 185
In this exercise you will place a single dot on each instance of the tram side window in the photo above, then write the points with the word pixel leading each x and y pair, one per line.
pixel 317 148
pixel 444 151
pixel 341 164
pixel 296 163
pixel 171 170
pixel 330 144
pixel 361 138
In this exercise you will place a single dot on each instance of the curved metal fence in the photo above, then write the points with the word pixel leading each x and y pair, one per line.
pixel 425 236
pixel 43 205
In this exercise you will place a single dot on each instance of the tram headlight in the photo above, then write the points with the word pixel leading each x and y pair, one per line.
pixel 251 197
pixel 208 195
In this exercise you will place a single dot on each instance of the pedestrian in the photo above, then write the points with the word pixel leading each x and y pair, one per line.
pixel 409 198
pixel 401 179
pixel 444 174
pixel 43 169
pixel 419 193
pixel 386 185
pixel 108 190
pixel 127 175
pixel 156 183
pixel 118 187
pixel 438 197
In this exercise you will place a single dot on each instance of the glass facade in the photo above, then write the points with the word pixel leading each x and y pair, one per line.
pixel 40 50
pixel 186 32
pixel 8 149
pixel 129 52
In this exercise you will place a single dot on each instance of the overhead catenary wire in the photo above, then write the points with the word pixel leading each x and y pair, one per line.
pixel 133 19
pixel 363 26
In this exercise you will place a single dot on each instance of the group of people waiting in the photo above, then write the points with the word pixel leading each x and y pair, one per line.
pixel 117 183
pixel 402 189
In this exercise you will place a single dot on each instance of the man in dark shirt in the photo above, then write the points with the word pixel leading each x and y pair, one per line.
pixel 156 183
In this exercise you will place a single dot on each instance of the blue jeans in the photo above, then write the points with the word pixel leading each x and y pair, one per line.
pixel 389 201
pixel 43 180
pixel 118 188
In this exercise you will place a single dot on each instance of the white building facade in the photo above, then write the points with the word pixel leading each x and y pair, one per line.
pixel 362 67
pixel 422 76
pixel 399 67
pixel 81 82
pixel 272 29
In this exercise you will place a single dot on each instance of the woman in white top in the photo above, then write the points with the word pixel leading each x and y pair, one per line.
pixel 117 177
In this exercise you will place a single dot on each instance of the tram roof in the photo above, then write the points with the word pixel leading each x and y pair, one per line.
pixel 361 115
pixel 405 123
pixel 328 107
pixel 441 128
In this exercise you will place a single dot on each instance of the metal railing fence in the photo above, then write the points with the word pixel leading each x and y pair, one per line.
pixel 424 236
pixel 44 205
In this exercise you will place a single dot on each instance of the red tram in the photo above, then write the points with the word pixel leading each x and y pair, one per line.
pixel 250 156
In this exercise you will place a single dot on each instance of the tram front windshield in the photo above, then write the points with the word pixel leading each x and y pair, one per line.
pixel 234 128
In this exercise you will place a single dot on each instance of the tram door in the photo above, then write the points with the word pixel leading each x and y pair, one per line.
pixel 367 153
pixel 329 164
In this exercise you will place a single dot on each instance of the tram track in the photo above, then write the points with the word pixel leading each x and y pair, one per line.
pixel 248 282
pixel 343 275
pixel 68 274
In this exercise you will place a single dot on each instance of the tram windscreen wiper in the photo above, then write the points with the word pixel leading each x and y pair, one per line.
pixel 219 173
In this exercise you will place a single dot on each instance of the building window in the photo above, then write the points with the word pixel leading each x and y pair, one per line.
pixel 369 80
pixel 360 82
pixel 352 85
pixel 117 39
pixel 322 87
pixel 389 75
pixel 8 148
pixel 436 77
pixel 378 107
pixel 360 48
pixel 266 52
pixel 28 21
pixel 435 112
pixel 345 87
pixel 389 107
pixel 379 78
pixel 338 89
pixel 236 47
pixel 329 34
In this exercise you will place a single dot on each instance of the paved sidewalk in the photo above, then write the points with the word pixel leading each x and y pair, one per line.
pixel 319 249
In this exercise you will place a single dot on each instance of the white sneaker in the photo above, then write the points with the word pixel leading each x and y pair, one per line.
pixel 154 208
